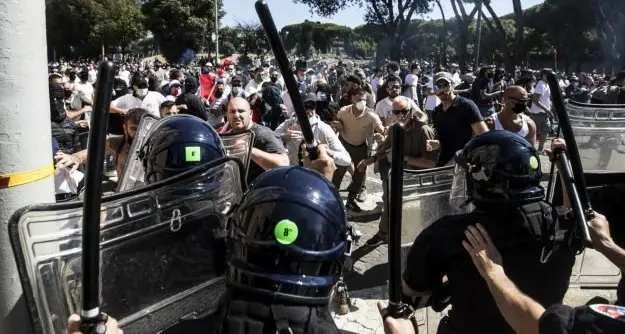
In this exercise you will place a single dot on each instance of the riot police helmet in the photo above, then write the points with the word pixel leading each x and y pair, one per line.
pixel 288 237
pixel 497 167
pixel 177 144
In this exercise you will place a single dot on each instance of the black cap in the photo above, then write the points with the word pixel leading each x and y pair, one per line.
pixel 310 97
pixel 355 79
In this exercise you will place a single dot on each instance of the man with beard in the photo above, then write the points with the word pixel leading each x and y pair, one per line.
pixel 385 107
pixel 116 146
pixel 455 120
pixel 415 155
pixel 512 117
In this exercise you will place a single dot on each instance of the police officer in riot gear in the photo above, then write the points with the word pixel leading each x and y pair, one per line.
pixel 288 239
pixel 180 143
pixel 498 173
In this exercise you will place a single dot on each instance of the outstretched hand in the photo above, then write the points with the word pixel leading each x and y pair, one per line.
pixel 485 256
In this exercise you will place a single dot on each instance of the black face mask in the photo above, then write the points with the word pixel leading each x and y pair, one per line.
pixel 519 108
pixel 83 77
pixel 274 79
pixel 219 93
pixel 72 77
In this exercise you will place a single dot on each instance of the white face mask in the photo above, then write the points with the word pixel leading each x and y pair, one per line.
pixel 321 96
pixel 142 92
pixel 312 119
pixel 360 105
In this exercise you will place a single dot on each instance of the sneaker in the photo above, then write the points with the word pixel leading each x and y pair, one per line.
pixel 377 240
pixel 353 206
pixel 362 195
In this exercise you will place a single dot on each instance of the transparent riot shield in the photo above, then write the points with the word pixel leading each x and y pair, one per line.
pixel 599 131
pixel 600 134
pixel 425 200
pixel 243 141
pixel 132 174
pixel 162 251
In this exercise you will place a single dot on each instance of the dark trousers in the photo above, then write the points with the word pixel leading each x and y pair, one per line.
pixel 357 153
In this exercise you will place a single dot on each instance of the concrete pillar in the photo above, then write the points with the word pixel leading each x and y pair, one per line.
pixel 25 138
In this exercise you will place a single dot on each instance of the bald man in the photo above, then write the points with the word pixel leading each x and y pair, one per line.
pixel 416 156
pixel 512 117
pixel 268 151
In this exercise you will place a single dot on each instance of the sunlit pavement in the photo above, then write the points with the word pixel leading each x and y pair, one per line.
pixel 367 283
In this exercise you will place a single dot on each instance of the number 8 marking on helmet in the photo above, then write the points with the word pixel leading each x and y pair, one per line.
pixel 285 232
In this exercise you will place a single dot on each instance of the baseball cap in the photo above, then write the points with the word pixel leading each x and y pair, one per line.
pixel 443 76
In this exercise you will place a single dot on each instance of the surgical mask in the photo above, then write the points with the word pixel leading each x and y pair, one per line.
pixel 313 119
pixel 360 105
pixel 321 96
pixel 235 90
pixel 142 92
pixel 301 78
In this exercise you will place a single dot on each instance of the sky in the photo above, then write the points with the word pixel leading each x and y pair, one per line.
pixel 286 12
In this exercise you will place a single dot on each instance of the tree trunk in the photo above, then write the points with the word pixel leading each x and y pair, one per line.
pixel 443 35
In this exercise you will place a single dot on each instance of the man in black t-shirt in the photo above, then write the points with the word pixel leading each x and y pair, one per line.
pixel 482 91
pixel 268 151
pixel 455 120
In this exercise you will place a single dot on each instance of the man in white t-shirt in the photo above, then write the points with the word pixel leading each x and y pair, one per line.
pixel 140 98
pixel 431 100
pixel 384 108
pixel 541 108
pixel 412 82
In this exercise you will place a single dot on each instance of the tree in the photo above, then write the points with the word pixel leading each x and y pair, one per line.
pixel 252 39
pixel 180 25
pixel 391 16
pixel 77 28
pixel 321 37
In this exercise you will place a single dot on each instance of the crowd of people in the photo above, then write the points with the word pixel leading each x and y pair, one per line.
pixel 351 110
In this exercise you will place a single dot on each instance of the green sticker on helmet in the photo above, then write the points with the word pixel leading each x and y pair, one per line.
pixel 285 232
pixel 533 162
pixel 192 154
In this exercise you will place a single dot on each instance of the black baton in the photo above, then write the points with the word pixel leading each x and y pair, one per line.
pixel 283 62
pixel 577 171
pixel 92 319
pixel 396 308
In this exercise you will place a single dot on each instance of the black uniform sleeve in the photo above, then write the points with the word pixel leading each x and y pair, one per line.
pixel 266 140
pixel 562 319
pixel 424 270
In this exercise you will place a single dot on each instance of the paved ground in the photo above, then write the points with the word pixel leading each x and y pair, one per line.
pixel 593 275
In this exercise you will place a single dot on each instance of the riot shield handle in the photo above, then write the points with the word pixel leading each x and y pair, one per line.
pixel 580 212
pixel 94 325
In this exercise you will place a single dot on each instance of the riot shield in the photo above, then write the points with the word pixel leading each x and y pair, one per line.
pixel 162 251
pixel 600 134
pixel 599 131
pixel 132 174
pixel 231 140
pixel 425 200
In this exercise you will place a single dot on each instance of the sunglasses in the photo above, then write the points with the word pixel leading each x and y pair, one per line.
pixel 521 100
pixel 403 111
pixel 394 87
pixel 441 85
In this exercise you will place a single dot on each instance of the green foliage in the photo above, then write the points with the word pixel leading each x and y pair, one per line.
pixel 80 27
pixel 180 25
pixel 251 39
pixel 304 37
